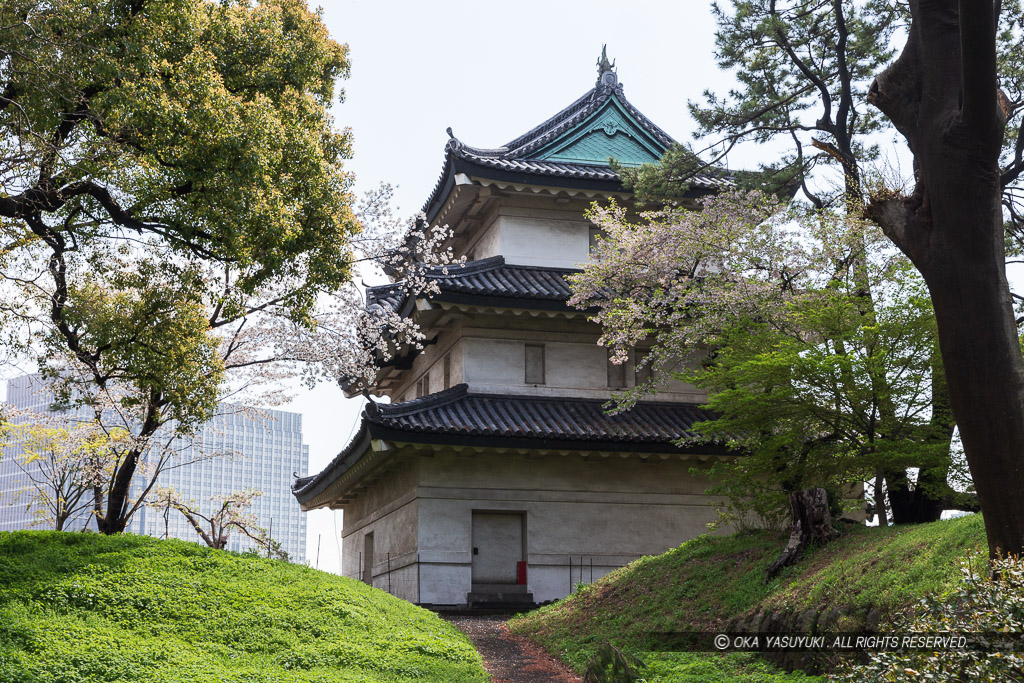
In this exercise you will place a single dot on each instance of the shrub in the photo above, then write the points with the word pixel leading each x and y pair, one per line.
pixel 988 609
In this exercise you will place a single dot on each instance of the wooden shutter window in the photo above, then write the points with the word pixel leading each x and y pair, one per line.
pixel 535 364
pixel 616 374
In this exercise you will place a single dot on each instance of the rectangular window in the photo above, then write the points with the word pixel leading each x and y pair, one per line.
pixel 424 386
pixel 644 373
pixel 594 234
pixel 616 374
pixel 448 371
pixel 535 364
pixel 368 558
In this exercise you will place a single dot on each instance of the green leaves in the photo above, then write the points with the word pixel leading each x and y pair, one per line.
pixel 987 608
pixel 803 71
pixel 203 125
pixel 810 409
pixel 813 338
pixel 153 335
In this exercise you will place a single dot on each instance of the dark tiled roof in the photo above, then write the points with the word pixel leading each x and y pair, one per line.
pixel 391 296
pixel 538 166
pixel 456 416
pixel 339 464
pixel 515 158
pixel 306 489
pixel 458 412
pixel 592 100
pixel 493 277
pixel 490 277
pixel 706 181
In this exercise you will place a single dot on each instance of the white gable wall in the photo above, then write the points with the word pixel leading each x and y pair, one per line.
pixel 487 245
pixel 540 237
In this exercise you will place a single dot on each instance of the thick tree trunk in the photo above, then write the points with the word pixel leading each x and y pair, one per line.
pixel 986 385
pixel 879 506
pixel 925 501
pixel 115 520
pixel 920 503
pixel 118 514
pixel 944 101
pixel 812 523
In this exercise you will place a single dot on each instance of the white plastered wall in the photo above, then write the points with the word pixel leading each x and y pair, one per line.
pixel 604 512
pixel 534 230
pixel 389 510
pixel 576 369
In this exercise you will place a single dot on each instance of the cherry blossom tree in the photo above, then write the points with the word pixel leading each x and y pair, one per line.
pixel 62 461
pixel 772 295
pixel 226 514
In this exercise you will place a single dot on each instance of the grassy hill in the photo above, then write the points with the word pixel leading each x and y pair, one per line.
pixel 710 580
pixel 87 608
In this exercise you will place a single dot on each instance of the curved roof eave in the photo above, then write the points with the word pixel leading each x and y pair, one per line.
pixel 460 417
pixel 305 489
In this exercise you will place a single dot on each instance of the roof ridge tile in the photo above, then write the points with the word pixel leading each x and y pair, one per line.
pixel 416 405
pixel 587 102
pixel 468 268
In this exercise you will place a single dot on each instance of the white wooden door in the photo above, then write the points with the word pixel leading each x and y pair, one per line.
pixel 497 546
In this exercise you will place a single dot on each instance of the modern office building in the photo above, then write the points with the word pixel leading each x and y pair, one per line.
pixel 26 393
pixel 236 450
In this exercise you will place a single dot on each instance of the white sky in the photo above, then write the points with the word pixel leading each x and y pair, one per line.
pixel 491 71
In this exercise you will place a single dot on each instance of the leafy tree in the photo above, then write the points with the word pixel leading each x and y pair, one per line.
pixel 803 71
pixel 253 353
pixel 774 297
pixel 809 381
pixel 943 94
pixel 169 171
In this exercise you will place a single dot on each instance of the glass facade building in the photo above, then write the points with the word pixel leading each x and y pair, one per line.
pixel 239 449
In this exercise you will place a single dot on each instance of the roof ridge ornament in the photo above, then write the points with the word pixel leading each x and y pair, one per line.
pixel 453 143
pixel 606 76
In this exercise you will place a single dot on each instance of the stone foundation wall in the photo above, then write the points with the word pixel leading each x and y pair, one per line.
pixel 829 622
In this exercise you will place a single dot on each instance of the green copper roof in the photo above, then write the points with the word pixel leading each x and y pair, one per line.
pixel 571 149
pixel 609 132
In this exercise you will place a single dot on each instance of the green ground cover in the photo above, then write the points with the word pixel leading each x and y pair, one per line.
pixel 710 580
pixel 77 608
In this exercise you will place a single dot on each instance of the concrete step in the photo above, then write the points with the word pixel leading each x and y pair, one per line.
pixel 498 588
pixel 516 600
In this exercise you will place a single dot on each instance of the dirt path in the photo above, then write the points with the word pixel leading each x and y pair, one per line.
pixel 510 658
